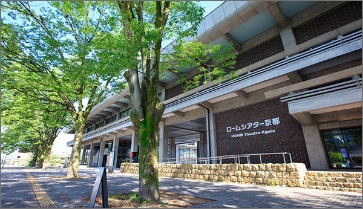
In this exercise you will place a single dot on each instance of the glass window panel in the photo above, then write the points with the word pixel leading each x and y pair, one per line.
pixel 353 138
pixel 344 147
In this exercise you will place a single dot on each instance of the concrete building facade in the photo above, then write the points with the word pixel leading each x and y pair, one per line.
pixel 299 91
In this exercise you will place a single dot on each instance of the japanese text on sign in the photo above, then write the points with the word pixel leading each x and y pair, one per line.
pixel 246 126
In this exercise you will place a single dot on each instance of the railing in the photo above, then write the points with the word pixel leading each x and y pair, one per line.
pixel 104 128
pixel 354 83
pixel 219 159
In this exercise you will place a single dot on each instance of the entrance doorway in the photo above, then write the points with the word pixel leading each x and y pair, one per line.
pixel 187 153
pixel 123 154
pixel 344 147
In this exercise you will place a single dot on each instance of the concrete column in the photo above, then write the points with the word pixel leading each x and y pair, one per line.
pixel 113 158
pixel 172 148
pixel 162 97
pixel 202 145
pixel 315 147
pixel 163 142
pixel 287 38
pixel 212 134
pixel 90 157
pixel 83 154
pixel 102 150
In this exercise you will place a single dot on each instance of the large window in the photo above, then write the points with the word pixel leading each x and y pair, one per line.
pixel 123 154
pixel 100 124
pixel 344 147
pixel 111 119
pixel 125 113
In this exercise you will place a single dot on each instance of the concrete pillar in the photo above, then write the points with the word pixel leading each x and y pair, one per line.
pixel 162 96
pixel 83 154
pixel 113 157
pixel 212 134
pixel 102 150
pixel 163 142
pixel 315 147
pixel 202 145
pixel 287 38
pixel 172 148
pixel 90 157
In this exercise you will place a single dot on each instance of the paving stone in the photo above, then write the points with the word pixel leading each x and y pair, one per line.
pixel 71 193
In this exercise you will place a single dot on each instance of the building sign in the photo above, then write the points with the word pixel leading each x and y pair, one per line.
pixel 271 122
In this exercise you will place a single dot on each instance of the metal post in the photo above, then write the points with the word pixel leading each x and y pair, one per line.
pixel 260 160
pixel 283 155
pixel 104 189
pixel 101 179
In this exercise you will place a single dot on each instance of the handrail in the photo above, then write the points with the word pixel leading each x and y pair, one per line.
pixel 208 160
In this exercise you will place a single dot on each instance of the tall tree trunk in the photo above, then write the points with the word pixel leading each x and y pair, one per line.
pixel 47 153
pixel 76 150
pixel 40 163
pixel 153 110
pixel 148 164
pixel 35 157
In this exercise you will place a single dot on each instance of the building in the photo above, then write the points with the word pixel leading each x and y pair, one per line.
pixel 299 91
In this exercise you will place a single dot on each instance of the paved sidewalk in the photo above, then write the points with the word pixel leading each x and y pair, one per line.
pixel 16 191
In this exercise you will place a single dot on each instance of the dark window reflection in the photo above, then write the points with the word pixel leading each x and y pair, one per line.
pixel 344 147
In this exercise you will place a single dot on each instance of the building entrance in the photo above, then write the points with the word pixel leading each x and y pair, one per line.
pixel 344 147
pixel 187 153
pixel 123 154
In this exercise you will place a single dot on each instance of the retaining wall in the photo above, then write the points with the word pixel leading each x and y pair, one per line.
pixel 292 175
pixel 334 180
pixel 271 174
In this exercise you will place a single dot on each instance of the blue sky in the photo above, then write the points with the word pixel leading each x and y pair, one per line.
pixel 210 5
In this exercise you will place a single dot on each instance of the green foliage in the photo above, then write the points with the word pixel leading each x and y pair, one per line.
pixel 29 124
pixel 67 49
pixel 272 182
pixel 335 157
pixel 30 162
pixel 215 63
pixel 134 197
pixel 68 54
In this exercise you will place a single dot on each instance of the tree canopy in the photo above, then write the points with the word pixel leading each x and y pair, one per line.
pixel 30 125
pixel 65 53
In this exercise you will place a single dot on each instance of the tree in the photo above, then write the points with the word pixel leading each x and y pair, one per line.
pixel 30 125
pixel 58 52
pixel 146 24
